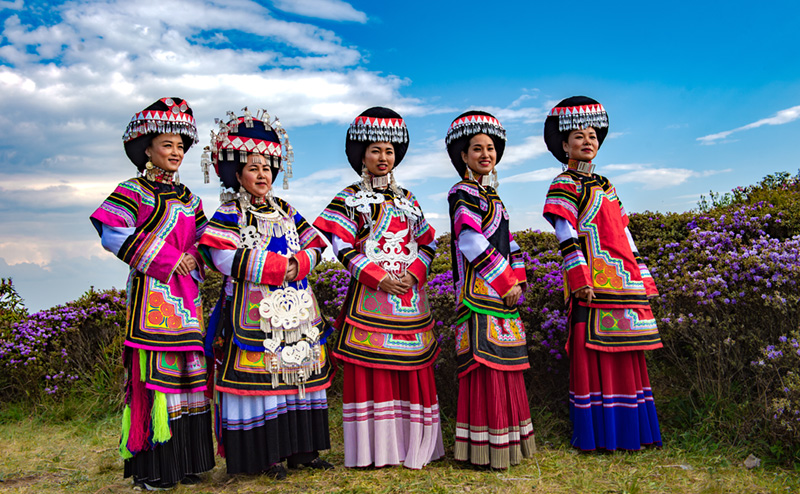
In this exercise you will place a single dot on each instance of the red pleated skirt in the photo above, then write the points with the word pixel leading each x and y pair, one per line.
pixel 493 424
pixel 610 400
pixel 390 417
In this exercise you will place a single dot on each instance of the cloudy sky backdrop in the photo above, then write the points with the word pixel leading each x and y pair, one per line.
pixel 701 97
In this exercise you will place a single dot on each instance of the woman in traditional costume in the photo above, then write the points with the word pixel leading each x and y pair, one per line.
pixel 273 372
pixel 386 341
pixel 153 223
pixel 493 424
pixel 607 287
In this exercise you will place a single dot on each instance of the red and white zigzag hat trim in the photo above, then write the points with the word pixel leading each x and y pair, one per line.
pixel 576 110
pixel 163 116
pixel 379 122
pixel 472 119
pixel 251 145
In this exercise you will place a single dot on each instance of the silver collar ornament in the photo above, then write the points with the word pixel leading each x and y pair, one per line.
pixel 586 167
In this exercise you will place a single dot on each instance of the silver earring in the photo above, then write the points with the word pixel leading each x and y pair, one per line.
pixel 366 182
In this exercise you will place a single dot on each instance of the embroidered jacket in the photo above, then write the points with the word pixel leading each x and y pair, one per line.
pixel 149 226
pixel 162 222
pixel 486 266
pixel 265 353
pixel 601 255
pixel 375 234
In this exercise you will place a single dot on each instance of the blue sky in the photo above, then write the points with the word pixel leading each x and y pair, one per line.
pixel 701 96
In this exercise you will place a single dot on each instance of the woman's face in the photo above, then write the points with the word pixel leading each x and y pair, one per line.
pixel 481 156
pixel 256 175
pixel 582 144
pixel 166 151
pixel 379 158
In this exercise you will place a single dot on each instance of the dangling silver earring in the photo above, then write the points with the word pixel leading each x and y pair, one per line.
pixel 495 182
pixel 366 182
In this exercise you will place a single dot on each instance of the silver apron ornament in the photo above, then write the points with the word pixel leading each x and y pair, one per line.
pixel 292 351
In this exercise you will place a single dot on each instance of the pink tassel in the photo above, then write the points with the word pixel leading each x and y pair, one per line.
pixel 140 409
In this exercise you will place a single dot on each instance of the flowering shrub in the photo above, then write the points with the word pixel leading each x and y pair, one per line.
pixel 52 349
pixel 329 281
pixel 778 370
pixel 725 290
pixel 728 277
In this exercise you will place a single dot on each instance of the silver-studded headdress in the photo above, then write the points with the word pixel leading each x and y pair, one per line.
pixel 575 113
pixel 377 124
pixel 470 124
pixel 244 135
pixel 165 116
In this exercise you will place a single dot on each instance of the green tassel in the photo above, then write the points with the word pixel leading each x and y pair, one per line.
pixel 126 429
pixel 142 364
pixel 161 432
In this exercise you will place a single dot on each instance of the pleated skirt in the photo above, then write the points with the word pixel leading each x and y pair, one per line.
pixel 259 431
pixel 493 421
pixel 190 450
pixel 610 400
pixel 390 417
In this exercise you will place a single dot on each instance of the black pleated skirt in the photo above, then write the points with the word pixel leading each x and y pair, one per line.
pixel 259 431
pixel 189 451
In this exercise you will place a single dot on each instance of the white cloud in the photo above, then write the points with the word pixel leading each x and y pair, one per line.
pixel 780 118
pixel 531 147
pixel 15 5
pixel 334 10
pixel 540 175
pixel 70 84
pixel 652 177
pixel 514 112
pixel 526 95
pixel 62 279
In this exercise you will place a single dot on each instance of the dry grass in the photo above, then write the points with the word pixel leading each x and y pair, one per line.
pixel 79 455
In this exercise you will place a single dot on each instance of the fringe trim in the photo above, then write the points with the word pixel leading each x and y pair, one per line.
pixel 374 133
pixel 142 370
pixel 137 128
pixel 470 128
pixel 126 429
pixel 577 121
pixel 140 409
pixel 160 417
